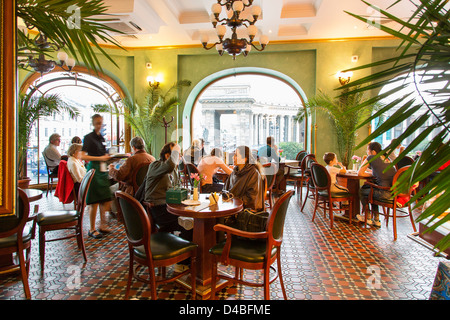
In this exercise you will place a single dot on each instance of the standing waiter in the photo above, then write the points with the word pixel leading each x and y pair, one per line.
pixel 99 194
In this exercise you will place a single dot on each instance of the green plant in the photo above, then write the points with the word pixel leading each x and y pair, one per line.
pixel 423 56
pixel 31 108
pixel 145 118
pixel 75 25
pixel 290 149
pixel 345 124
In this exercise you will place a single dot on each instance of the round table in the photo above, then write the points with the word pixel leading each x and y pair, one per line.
pixel 33 194
pixel 204 236
pixel 351 180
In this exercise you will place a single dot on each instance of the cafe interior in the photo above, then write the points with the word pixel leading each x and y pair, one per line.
pixel 225 150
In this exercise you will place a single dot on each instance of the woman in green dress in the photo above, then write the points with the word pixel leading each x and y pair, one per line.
pixel 99 194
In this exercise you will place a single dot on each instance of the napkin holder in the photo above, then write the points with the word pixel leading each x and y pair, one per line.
pixel 176 195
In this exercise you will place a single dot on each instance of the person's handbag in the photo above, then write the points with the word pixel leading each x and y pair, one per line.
pixel 251 221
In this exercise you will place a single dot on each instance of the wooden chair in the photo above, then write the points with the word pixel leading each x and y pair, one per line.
pixel 298 177
pixel 253 250
pixel 308 161
pixel 322 183
pixel 193 169
pixel 65 219
pixel 138 176
pixel 15 237
pixel 391 203
pixel 405 161
pixel 183 173
pixel 270 172
pixel 152 250
pixel 50 175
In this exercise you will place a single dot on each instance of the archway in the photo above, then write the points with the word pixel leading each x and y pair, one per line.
pixel 80 89
pixel 211 80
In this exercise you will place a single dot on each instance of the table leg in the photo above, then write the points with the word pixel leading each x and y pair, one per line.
pixel 353 186
pixel 205 237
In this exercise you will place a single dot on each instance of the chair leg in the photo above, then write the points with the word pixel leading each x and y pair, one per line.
pixel 306 197
pixel 24 273
pixel 266 282
pixel 315 207
pixel 350 211
pixel 213 280
pixel 152 275
pixel 280 273
pixel 193 277
pixel 42 248
pixel 394 222
pixel 331 214
pixel 412 218
pixel 130 277
pixel 80 239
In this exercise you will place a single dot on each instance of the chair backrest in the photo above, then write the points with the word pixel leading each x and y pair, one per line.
pixel 138 175
pixel 15 224
pixel 270 171
pixel 191 169
pixel 403 191
pixel 305 165
pixel 320 177
pixel 137 223
pixel 405 161
pixel 300 156
pixel 277 217
pixel 49 169
pixel 82 192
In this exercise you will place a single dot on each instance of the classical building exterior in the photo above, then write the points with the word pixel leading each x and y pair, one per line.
pixel 252 122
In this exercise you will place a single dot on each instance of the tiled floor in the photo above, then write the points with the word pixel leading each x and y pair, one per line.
pixel 346 262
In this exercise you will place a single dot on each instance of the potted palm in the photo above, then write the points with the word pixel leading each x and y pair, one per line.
pixel 30 109
pixel 423 53
pixel 345 124
pixel 145 118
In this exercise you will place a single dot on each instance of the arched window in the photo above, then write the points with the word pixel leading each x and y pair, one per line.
pixel 84 92
pixel 245 109
pixel 426 90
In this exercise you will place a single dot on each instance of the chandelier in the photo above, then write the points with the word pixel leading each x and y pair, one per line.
pixel 40 63
pixel 235 46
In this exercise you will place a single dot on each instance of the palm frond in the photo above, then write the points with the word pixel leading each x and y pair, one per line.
pixel 423 56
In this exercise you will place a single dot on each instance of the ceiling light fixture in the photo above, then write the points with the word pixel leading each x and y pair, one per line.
pixel 41 64
pixel 234 46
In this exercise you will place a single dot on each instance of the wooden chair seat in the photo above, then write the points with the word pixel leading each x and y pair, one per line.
pixel 247 250
pixel 11 241
pixel 165 245
pixel 56 217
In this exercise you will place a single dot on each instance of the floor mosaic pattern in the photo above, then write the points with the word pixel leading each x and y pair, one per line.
pixel 319 263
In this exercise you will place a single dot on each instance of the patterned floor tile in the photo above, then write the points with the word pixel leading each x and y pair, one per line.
pixel 319 263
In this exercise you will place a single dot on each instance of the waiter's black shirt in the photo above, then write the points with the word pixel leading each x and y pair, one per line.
pixel 94 144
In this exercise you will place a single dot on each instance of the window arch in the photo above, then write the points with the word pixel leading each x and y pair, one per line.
pixel 82 90
pixel 236 83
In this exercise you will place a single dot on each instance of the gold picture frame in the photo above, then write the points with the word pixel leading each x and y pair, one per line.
pixel 8 108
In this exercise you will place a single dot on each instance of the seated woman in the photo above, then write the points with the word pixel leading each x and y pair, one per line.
pixel 208 166
pixel 75 165
pixel 246 180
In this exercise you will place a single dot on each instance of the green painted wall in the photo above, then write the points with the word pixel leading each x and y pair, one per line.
pixel 312 65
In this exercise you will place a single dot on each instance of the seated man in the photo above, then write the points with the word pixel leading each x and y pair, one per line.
pixel 161 176
pixel 124 173
pixel 268 153
pixel 382 178
pixel 51 153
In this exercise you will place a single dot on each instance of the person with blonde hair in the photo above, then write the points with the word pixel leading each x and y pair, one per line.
pixel 75 165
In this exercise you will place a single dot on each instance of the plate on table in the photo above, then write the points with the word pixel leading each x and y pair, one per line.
pixel 190 202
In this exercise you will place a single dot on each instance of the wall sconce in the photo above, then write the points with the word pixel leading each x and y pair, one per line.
pixel 344 77
pixel 154 82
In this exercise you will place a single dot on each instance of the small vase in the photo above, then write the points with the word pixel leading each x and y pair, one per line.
pixel 355 166
pixel 195 195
